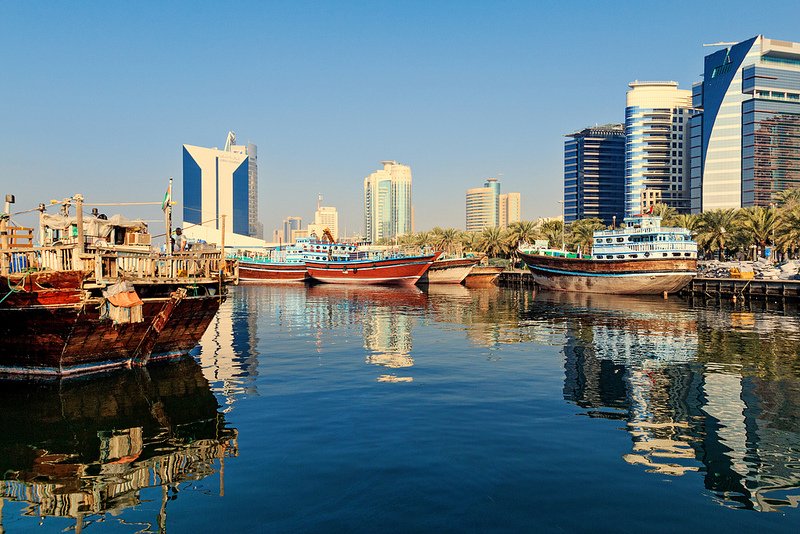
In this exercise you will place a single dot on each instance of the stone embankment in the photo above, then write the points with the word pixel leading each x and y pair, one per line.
pixel 761 269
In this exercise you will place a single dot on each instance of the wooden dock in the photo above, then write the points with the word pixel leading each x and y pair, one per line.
pixel 748 289
pixel 699 287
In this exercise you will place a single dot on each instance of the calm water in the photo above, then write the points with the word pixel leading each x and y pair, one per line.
pixel 382 410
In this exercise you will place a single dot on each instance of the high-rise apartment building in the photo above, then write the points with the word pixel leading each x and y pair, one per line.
pixel 387 202
pixel 746 142
pixel 220 182
pixel 657 146
pixel 290 224
pixel 510 209
pixel 594 173
pixel 483 206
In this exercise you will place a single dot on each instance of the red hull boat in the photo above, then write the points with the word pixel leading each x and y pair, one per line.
pixel 391 271
pixel 272 272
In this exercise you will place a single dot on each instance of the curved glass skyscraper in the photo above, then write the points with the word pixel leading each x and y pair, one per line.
pixel 745 146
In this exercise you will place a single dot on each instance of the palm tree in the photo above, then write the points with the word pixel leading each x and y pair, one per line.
pixel 788 197
pixel 788 235
pixel 492 241
pixel 469 241
pixel 423 239
pixel 715 229
pixel 688 221
pixel 667 213
pixel 582 232
pixel 553 231
pixel 521 232
pixel 757 225
pixel 448 239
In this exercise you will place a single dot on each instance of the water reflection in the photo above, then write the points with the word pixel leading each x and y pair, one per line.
pixel 81 448
pixel 228 351
pixel 387 316
pixel 699 388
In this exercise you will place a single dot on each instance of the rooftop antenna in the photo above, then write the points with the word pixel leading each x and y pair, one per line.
pixel 319 201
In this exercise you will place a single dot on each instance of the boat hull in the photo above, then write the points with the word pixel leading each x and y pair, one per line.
pixel 452 271
pixel 394 271
pixel 59 331
pixel 271 273
pixel 622 277
pixel 483 277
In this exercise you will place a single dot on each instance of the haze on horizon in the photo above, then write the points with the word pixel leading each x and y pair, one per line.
pixel 98 98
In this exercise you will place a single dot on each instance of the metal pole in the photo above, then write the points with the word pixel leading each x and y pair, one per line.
pixel 222 240
pixel 4 217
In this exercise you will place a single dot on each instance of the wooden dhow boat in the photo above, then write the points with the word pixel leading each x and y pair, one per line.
pixel 449 270
pixel 82 303
pixel 396 270
pixel 288 263
pixel 643 258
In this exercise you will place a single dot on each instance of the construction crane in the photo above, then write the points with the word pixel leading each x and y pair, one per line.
pixel 326 233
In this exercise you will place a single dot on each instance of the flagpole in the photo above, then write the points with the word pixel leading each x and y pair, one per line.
pixel 168 216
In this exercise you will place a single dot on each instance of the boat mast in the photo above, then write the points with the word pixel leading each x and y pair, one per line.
pixel 4 245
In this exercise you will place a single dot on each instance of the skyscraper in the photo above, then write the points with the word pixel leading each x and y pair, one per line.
pixel 387 202
pixel 289 225
pixel 657 146
pixel 510 209
pixel 745 143
pixel 594 173
pixel 483 206
pixel 218 182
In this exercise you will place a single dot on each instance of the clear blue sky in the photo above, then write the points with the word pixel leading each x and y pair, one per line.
pixel 97 97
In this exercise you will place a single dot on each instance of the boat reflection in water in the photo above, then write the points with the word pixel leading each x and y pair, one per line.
pixel 228 351
pixel 82 448
pixel 701 389
pixel 387 315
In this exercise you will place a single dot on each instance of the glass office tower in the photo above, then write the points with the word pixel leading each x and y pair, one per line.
pixel 746 142
pixel 594 174
pixel 387 202
pixel 657 146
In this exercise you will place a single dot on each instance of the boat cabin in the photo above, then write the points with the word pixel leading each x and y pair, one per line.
pixel 642 238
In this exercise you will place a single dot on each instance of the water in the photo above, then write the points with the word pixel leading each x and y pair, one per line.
pixel 450 410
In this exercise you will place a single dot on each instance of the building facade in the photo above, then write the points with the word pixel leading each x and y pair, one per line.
pixel 746 140
pixel 510 209
pixel 594 173
pixel 387 202
pixel 657 146
pixel 483 206
pixel 219 182
pixel 290 224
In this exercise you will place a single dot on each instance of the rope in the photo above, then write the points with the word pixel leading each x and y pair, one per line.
pixel 14 289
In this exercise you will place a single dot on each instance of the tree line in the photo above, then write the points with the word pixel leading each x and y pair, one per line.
pixel 744 232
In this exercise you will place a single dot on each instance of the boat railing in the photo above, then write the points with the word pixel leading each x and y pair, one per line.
pixel 666 246
pixel 109 266
pixel 641 230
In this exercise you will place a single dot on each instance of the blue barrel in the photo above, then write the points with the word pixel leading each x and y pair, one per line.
pixel 19 262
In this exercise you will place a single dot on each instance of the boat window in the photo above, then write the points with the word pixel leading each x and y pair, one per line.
pixel 621 256
pixel 619 240
pixel 664 254
pixel 676 253
pixel 634 255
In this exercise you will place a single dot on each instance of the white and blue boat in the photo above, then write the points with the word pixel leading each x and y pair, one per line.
pixel 641 258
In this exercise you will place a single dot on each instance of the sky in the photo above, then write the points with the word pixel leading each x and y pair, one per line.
pixel 98 97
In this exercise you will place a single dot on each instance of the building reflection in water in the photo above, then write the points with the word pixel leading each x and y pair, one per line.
pixel 387 316
pixel 85 447
pixel 700 388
